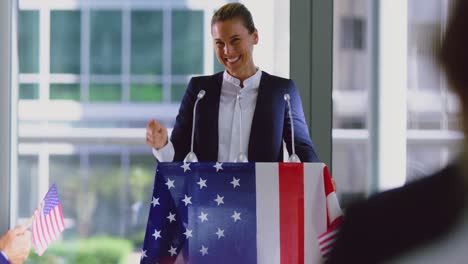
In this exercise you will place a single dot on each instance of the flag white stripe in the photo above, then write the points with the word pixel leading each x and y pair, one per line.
pixel 45 233
pixel 40 243
pixel 54 223
pixel 268 231
pixel 334 209
pixel 50 228
pixel 40 231
pixel 325 244
pixel 325 237
pixel 315 210
pixel 47 228
pixel 35 235
pixel 325 252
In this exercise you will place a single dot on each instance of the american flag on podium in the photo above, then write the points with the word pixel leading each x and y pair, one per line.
pixel 271 213
pixel 48 221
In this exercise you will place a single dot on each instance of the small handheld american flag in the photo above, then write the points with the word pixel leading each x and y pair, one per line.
pixel 48 221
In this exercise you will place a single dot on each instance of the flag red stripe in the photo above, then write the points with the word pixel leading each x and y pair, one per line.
pixel 328 182
pixel 40 231
pixel 326 244
pixel 47 228
pixel 327 234
pixel 53 220
pixel 336 223
pixel 326 253
pixel 291 188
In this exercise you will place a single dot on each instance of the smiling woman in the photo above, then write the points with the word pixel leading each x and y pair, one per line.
pixel 234 35
pixel 249 104
pixel 234 47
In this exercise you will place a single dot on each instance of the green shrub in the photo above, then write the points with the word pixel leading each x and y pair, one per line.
pixel 137 238
pixel 96 250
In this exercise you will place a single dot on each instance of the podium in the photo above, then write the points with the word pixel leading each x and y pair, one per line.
pixel 241 213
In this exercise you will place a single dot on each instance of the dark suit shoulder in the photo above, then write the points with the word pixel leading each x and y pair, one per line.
pixel 210 83
pixel 275 78
pixel 3 260
pixel 275 83
pixel 203 78
pixel 398 220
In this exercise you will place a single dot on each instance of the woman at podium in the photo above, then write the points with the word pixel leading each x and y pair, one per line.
pixel 241 113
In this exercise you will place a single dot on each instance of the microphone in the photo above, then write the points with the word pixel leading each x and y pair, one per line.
pixel 241 157
pixel 293 157
pixel 191 157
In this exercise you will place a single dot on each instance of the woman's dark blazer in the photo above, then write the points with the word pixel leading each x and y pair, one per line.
pixel 270 124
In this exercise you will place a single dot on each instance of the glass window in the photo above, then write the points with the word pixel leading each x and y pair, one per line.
pixel 424 159
pixel 107 187
pixel 430 104
pixel 64 171
pixel 142 169
pixel 29 91
pixel 432 107
pixel 65 42
pixel 146 54
pixel 106 42
pixel 351 83
pixel 353 33
pixel 177 92
pixel 105 93
pixel 146 93
pixel 65 92
pixel 28 180
pixel 187 42
pixel 29 41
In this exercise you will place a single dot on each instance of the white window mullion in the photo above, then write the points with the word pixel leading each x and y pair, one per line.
pixel 167 60
pixel 85 51
pixel 44 95
pixel 43 168
pixel 207 42
pixel 445 93
pixel 14 96
pixel 124 197
pixel 388 133
pixel 126 50
pixel 44 54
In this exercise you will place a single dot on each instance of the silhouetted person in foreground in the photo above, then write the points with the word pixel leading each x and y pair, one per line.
pixel 425 221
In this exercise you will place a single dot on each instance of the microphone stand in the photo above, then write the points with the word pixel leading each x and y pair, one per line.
pixel 293 157
pixel 241 157
pixel 191 157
